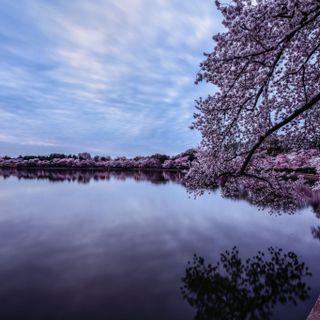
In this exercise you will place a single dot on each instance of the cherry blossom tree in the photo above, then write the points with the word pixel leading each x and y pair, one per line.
pixel 265 68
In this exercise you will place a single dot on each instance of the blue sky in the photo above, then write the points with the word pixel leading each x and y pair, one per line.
pixel 105 76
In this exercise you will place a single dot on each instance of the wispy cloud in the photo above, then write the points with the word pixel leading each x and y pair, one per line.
pixel 19 140
pixel 107 75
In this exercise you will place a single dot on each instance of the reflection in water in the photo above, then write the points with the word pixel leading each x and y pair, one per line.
pixel 85 176
pixel 316 232
pixel 234 289
pixel 276 195
pixel 114 250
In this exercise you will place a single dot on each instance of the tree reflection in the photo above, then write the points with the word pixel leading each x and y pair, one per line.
pixel 271 192
pixel 279 196
pixel 274 194
pixel 280 193
pixel 316 232
pixel 85 176
pixel 236 289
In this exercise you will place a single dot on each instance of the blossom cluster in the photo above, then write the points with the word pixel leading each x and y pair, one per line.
pixel 301 160
pixel 181 161
pixel 265 67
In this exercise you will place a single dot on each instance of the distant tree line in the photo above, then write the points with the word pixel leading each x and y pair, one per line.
pixel 85 160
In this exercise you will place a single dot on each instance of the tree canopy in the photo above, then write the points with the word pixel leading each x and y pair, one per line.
pixel 265 68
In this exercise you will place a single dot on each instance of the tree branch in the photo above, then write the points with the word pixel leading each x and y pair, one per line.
pixel 276 127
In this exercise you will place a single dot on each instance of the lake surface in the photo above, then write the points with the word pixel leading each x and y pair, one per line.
pixel 116 246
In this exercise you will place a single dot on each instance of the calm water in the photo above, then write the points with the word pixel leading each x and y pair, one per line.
pixel 75 246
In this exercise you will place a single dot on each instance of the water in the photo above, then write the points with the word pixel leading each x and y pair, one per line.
pixel 116 246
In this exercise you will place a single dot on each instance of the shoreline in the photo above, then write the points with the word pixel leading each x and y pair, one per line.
pixel 84 161
pixel 304 164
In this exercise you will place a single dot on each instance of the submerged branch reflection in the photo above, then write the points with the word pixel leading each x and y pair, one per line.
pixel 236 289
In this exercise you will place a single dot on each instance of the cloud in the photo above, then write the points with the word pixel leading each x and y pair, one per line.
pixel 112 74
pixel 25 141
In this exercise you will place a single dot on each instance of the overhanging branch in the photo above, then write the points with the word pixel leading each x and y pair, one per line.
pixel 276 127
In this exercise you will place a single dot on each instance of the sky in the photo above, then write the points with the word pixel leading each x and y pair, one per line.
pixel 109 77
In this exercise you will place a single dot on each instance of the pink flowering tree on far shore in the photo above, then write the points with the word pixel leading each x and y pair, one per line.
pixel 265 67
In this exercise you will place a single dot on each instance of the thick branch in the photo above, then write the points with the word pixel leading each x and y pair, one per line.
pixel 289 36
pixel 276 127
